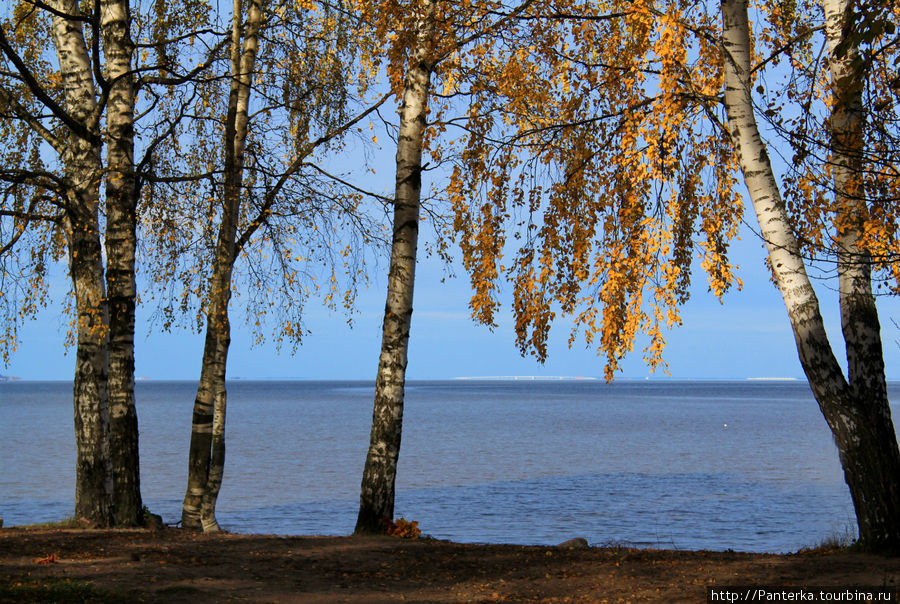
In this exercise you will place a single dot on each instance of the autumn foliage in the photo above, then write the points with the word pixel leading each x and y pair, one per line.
pixel 594 174
pixel 590 175
pixel 49 559
pixel 590 165
pixel 402 528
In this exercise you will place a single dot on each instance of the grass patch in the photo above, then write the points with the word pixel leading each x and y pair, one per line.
pixel 61 591
pixel 839 540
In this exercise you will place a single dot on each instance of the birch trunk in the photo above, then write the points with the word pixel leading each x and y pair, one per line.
pixel 81 159
pixel 380 471
pixel 93 472
pixel 857 410
pixel 875 477
pixel 120 249
pixel 207 450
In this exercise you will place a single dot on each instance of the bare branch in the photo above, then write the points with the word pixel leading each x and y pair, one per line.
pixel 299 162
pixel 181 79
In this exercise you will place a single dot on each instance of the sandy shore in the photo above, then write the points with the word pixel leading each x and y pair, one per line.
pixel 67 565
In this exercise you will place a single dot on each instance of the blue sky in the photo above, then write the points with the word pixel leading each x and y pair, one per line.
pixel 747 336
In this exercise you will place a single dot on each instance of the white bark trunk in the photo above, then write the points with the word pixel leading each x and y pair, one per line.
pixel 81 159
pixel 865 440
pixel 207 452
pixel 380 472
pixel 875 474
pixel 121 242
pixel 859 317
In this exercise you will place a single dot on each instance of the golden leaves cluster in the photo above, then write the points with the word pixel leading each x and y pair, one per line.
pixel 593 159
pixel 402 528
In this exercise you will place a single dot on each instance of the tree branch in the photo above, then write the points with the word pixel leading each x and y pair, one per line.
pixel 298 163
pixel 8 99
pixel 59 13
pixel 38 91
pixel 181 79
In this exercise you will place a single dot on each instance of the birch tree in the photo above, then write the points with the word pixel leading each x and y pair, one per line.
pixel 621 177
pixel 64 107
pixel 264 208
pixel 121 242
pixel 62 114
pixel 854 404
pixel 420 38
pixel 207 449
pixel 380 471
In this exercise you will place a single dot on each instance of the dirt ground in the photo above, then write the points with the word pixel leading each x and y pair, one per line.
pixel 175 566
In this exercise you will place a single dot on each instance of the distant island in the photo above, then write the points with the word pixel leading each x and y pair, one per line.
pixel 9 378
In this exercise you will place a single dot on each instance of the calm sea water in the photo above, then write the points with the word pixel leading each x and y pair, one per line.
pixel 690 465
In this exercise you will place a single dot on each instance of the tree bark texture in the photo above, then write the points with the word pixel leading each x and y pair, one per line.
pixel 207 449
pixel 121 241
pixel 875 479
pixel 81 159
pixel 380 471
pixel 856 408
